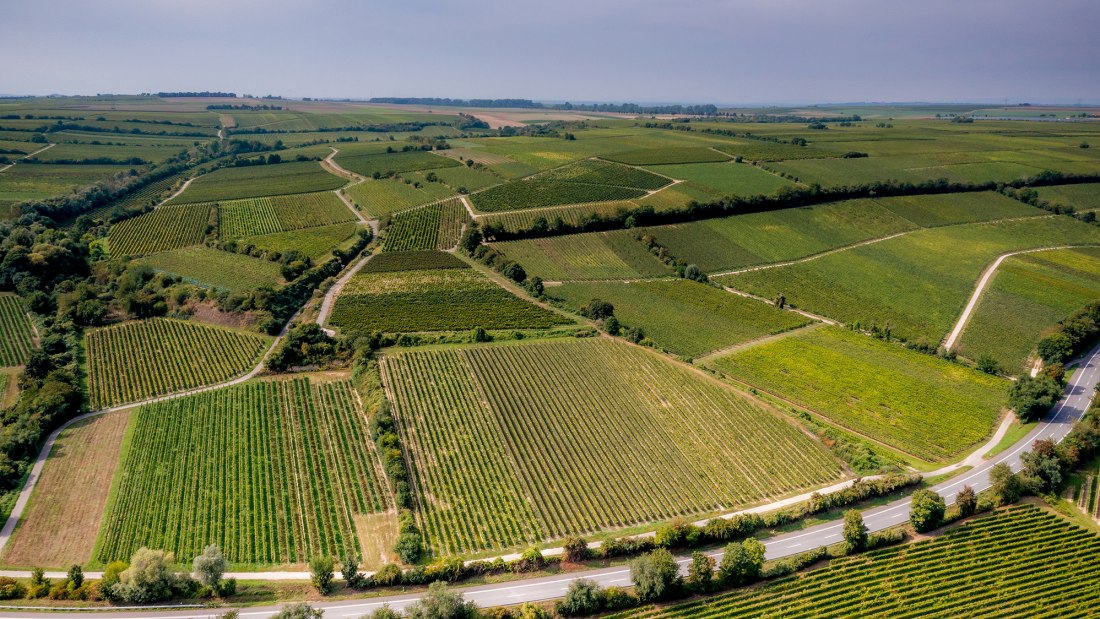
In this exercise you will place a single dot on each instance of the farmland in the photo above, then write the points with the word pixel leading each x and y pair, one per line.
pixel 38 182
pixel 413 260
pixel 655 156
pixel 725 179
pixel 387 163
pixel 446 300
pixel 917 403
pixel 538 194
pixel 16 336
pixel 508 443
pixel 436 226
pixel 257 216
pixel 167 227
pixel 317 243
pixel 60 526
pixel 574 214
pixel 1022 562
pixel 262 180
pixel 683 316
pixel 596 172
pixel 1083 197
pixel 173 356
pixel 216 269
pixel 386 196
pixel 597 255
pixel 1028 294
pixel 922 280
pixel 273 472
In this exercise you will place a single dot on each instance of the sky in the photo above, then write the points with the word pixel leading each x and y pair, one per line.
pixel 694 51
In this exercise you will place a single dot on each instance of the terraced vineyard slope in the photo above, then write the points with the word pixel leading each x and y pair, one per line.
pixel 273 472
pixel 515 444
pixel 136 360
pixel 1018 562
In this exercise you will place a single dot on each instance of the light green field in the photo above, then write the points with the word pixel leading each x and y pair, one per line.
pixel 216 269
pixel 167 227
pixel 386 163
pixel 260 180
pixel 256 216
pixel 80 152
pixel 917 403
pixel 317 243
pixel 726 179
pixel 595 255
pixel 920 281
pixel 1083 197
pixel 386 196
pixel 957 208
pixel 25 181
pixel 1028 294
pixel 685 317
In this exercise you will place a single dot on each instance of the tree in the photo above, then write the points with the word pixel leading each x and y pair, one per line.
pixel 385 612
pixel 1033 397
pixel 148 579
pixel 514 272
pixel 471 239
pixel 742 562
pixel 700 578
pixel 926 510
pixel 320 574
pixel 1004 483
pixel 301 610
pixel 75 576
pixel 1055 348
pixel 1042 470
pixel 575 549
pixel 655 575
pixel 597 309
pixel 440 603
pixel 855 532
pixel 986 363
pixel 408 547
pixel 349 569
pixel 967 501
pixel 582 598
pixel 535 287
pixel 209 567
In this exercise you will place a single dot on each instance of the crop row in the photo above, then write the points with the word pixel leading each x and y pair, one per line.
pixel 445 300
pixel 436 226
pixel 257 216
pixel 596 172
pixel 573 215
pixel 413 261
pixel 1021 562
pixel 147 196
pixel 394 162
pixel 260 180
pixel 536 194
pixel 273 472
pixel 137 360
pixel 168 227
pixel 655 156
pixel 15 332
pixel 530 427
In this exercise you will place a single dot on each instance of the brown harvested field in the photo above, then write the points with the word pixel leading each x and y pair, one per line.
pixel 60 524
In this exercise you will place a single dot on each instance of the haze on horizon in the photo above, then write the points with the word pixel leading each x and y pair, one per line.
pixel 713 51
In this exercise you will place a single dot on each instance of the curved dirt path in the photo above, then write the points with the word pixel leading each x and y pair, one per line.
pixel 332 167
pixel 28 156
pixel 334 291
pixel 983 282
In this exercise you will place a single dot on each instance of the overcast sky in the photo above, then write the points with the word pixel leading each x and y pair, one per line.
pixel 715 51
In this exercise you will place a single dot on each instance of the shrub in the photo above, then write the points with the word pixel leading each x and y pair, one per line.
pixel 575 549
pixel 700 577
pixel 967 501
pixel 11 589
pixel 300 610
pixel 926 510
pixel 582 598
pixel 617 598
pixel 320 574
pixel 209 567
pixel 655 575
pixel 388 576
pixel 742 563
pixel 855 532
pixel 441 603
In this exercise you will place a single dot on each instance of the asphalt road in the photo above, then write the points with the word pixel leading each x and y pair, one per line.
pixel 1057 424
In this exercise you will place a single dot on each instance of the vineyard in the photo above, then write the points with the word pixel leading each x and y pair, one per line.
pixel 1083 197
pixel 173 355
pixel 413 261
pixel 574 215
pixel 389 195
pixel 387 163
pixel 215 268
pixel 655 156
pixel 1087 495
pixel 243 218
pixel 1019 562
pixel 920 404
pixel 260 180
pixel 148 195
pixel 273 472
pixel 596 172
pixel 445 300
pixel 436 226
pixel 683 316
pixel 725 179
pixel 594 255
pixel 168 227
pixel 317 243
pixel 510 445
pixel 16 336
pixel 536 194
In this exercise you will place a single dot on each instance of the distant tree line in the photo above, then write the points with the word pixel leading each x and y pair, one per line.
pixel 203 93
pixel 243 107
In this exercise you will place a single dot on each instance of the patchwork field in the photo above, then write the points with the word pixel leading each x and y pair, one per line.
pixel 917 403
pixel 537 194
pixel 173 355
pixel 436 226
pixel 595 255
pixel 258 216
pixel 452 299
pixel 387 163
pixel 1019 562
pixel 260 180
pixel 574 214
pixel 509 444
pixel 656 156
pixel 66 510
pixel 215 268
pixel 16 335
pixel 273 472
pixel 683 316
pixel 1028 294
pixel 167 227
pixel 27 181
pixel 386 196
pixel 921 280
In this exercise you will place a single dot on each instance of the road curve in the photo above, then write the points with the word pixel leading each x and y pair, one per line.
pixel 1057 424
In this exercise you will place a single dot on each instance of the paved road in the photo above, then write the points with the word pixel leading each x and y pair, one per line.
pixel 1056 426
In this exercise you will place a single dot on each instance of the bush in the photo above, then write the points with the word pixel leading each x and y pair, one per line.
pixel 1004 484
pixel 617 598
pixel 700 577
pixel 441 603
pixel 679 532
pixel 655 575
pixel 967 501
pixel 582 598
pixel 11 589
pixel 209 567
pixel 1031 397
pixel 300 610
pixel 926 510
pixel 855 532
pixel 320 574
pixel 742 563
pixel 388 576
pixel 575 549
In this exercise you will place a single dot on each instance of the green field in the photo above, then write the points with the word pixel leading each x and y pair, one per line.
pixel 215 268
pixel 1019 562
pixel 16 336
pixel 412 261
pixel 538 194
pixel 273 472
pixel 386 196
pixel 317 243
pixel 173 355
pixel 445 300
pixel 596 172
pixel 655 156
pixel 387 163
pixel 25 181
pixel 1083 197
pixel 257 216
pixel 78 152
pixel 921 281
pixel 595 255
pixel 957 208
pixel 167 227
pixel 510 445
pixel 574 214
pixel 685 317
pixel 920 404
pixel 1028 294
pixel 260 180
pixel 436 226
pixel 726 179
